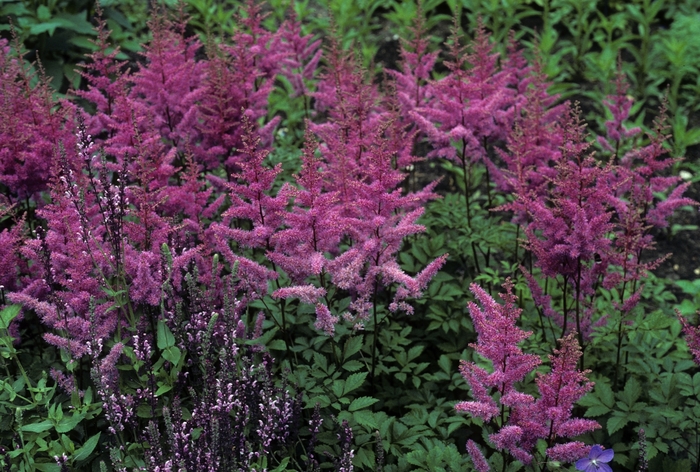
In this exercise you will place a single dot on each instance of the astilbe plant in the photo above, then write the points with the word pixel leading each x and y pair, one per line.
pixel 301 62
pixel 588 223
pixel 533 146
pixel 239 79
pixel 32 125
pixel 521 419
pixel 692 336
pixel 472 108
pixel 570 225
pixel 348 197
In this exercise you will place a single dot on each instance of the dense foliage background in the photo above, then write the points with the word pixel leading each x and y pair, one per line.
pixel 331 235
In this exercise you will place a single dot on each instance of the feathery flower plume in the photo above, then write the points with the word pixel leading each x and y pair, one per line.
pixel 528 419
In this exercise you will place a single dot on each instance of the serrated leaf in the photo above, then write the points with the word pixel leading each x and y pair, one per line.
pixel 338 386
pixel 365 418
pixel 361 403
pixel 597 410
pixel 320 361
pixel 616 423
pixel 605 393
pixel 354 381
pixel 631 392
pixel 352 346
pixel 352 366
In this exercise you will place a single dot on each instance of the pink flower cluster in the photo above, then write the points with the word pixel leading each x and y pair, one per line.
pixel 521 418
pixel 175 155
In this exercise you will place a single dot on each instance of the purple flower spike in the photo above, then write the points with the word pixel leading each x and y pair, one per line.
pixel 597 460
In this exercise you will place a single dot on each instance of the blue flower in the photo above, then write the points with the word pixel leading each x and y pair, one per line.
pixel 596 461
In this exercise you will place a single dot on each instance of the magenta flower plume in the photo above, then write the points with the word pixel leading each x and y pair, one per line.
pixel 477 457
pixel 252 202
pixel 619 106
pixel 596 461
pixel 313 226
pixel 303 55
pixel 238 81
pixel 471 106
pixel 412 81
pixel 692 336
pixel 498 339
pixel 549 417
pixel 533 146
pixel 170 84
pixel 32 124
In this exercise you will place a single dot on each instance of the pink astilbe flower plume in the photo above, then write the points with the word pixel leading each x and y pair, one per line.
pixel 692 336
pixel 477 457
pixel 533 146
pixel 313 226
pixel 470 106
pixel 170 84
pixel 498 339
pixel 549 417
pixel 522 419
pixel 570 225
pixel 251 202
pixel 619 106
pixel 416 65
pixel 239 79
pixel 32 124
pixel 303 55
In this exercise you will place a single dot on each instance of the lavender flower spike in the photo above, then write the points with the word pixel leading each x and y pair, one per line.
pixel 597 460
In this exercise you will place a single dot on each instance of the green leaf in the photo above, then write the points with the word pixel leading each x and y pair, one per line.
pixel 86 449
pixel 605 394
pixel 354 382
pixel 352 346
pixel 277 344
pixel 47 467
pixel 365 418
pixel 38 427
pixel 172 354
pixel 282 467
pixel 82 42
pixel 361 403
pixel 338 386
pixel 598 410
pixel 163 389
pixel 352 366
pixel 165 336
pixel 616 423
pixel 43 13
pixel 631 392
pixel 75 22
pixel 8 314
pixel 49 26
pixel 68 423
